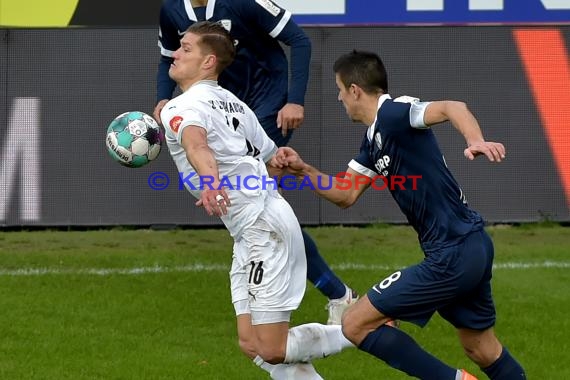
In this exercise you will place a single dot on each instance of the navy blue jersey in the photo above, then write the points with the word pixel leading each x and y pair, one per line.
pixel 259 74
pixel 408 156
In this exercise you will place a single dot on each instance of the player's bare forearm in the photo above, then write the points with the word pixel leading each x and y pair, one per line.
pixel 338 190
pixel 460 117
pixel 331 188
pixel 334 192
pixel 199 154
pixel 213 197
pixel 465 122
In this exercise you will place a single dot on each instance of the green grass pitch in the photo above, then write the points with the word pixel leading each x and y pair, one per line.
pixel 142 304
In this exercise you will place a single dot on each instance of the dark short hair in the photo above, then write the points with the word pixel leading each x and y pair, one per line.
pixel 364 69
pixel 215 39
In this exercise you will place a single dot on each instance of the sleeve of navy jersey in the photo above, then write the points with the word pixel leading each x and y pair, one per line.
pixel 277 22
pixel 169 42
pixel 364 158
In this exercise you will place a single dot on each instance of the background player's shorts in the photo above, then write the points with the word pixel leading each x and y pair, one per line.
pixel 269 267
pixel 455 281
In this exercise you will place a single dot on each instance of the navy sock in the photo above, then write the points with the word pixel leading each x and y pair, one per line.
pixel 401 352
pixel 319 273
pixel 505 368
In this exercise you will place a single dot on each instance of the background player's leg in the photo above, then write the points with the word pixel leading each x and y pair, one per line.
pixel 319 273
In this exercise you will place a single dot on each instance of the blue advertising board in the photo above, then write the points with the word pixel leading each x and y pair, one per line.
pixel 448 12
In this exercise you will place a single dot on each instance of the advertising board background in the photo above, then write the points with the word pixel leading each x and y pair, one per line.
pixel 60 88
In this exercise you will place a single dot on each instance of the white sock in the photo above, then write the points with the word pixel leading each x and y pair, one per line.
pixel 314 341
pixel 294 371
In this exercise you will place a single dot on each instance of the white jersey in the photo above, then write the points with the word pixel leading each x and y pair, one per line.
pixel 239 144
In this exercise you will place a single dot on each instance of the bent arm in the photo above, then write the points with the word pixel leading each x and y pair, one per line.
pixel 343 190
pixel 463 120
pixel 199 154
pixel 460 117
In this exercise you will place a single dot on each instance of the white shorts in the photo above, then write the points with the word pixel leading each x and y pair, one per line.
pixel 269 267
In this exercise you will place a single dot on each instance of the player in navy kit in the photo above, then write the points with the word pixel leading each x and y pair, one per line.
pixel 454 279
pixel 259 76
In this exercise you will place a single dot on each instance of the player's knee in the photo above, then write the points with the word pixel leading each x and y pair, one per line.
pixel 483 352
pixel 247 346
pixel 271 354
pixel 475 354
pixel 351 327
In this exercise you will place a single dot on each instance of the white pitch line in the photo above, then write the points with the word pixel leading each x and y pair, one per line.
pixel 225 268
pixel 508 265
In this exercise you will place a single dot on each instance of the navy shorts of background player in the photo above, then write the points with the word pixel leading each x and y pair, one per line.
pixel 454 277
pixel 259 75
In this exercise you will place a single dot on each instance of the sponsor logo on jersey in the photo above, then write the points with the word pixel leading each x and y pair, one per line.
pixel 175 123
pixel 269 6
pixel 378 139
pixel 383 164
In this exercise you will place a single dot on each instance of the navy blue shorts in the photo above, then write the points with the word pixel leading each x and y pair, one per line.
pixel 455 282
pixel 269 124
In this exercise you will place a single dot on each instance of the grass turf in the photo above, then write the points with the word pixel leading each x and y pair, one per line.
pixel 142 304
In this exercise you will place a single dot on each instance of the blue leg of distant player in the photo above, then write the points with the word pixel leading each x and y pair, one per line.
pixel 319 273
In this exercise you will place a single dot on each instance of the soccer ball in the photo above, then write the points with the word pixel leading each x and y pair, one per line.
pixel 133 139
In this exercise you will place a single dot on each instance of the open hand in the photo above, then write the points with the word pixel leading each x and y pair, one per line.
pixel 290 117
pixel 215 202
pixel 495 152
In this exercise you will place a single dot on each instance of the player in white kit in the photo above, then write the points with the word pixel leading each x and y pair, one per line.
pixel 221 152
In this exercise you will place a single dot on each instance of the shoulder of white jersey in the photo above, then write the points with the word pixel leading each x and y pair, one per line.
pixel 176 111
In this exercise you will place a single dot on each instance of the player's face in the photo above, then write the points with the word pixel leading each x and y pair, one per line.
pixel 188 60
pixel 346 97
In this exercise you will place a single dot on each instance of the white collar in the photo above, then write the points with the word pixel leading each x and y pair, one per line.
pixel 381 100
pixel 192 15
pixel 207 82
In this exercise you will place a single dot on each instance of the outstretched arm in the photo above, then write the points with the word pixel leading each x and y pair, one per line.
pixel 343 189
pixel 464 121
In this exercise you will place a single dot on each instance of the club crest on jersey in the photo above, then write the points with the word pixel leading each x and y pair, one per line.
pixel 227 24
pixel 269 7
pixel 175 123
pixel 378 139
